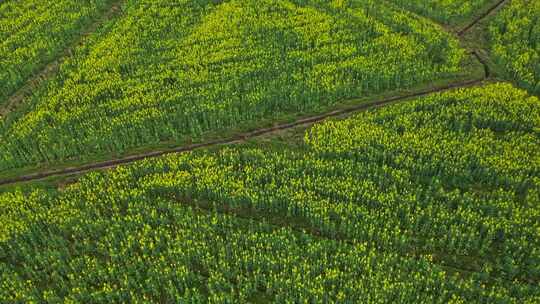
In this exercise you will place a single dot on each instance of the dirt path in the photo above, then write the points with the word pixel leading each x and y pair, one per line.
pixel 474 22
pixel 50 69
pixel 238 138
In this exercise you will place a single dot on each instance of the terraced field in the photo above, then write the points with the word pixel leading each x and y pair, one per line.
pixel 290 151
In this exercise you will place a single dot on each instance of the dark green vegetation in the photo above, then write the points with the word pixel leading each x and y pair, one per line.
pixel 432 201
pixel 515 39
pixel 34 32
pixel 167 71
pixel 445 11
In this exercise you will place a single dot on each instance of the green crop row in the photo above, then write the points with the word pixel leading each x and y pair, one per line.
pixel 174 70
pixel 515 39
pixel 445 11
pixel 433 201
pixel 34 32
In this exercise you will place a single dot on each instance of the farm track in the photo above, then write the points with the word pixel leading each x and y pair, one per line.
pixel 243 137
pixel 109 164
pixel 476 20
pixel 487 71
pixel 52 67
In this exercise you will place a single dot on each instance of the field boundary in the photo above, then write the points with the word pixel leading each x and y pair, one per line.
pixel 51 68
pixel 478 19
pixel 242 137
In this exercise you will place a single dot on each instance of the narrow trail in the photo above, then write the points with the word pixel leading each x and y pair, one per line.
pixel 487 71
pixel 52 67
pixel 243 137
pixel 474 22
